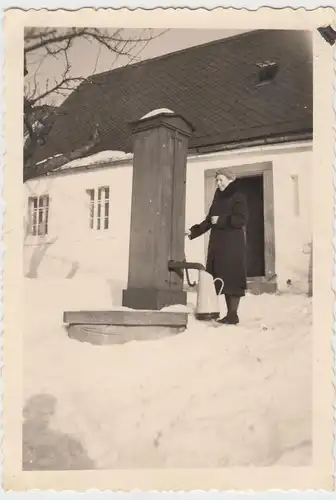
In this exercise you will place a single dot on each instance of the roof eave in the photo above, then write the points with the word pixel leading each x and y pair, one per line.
pixel 214 148
pixel 261 141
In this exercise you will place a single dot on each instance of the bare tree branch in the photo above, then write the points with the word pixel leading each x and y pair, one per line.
pixel 110 41
pixel 66 84
pixel 56 162
pixel 97 59
pixel 57 43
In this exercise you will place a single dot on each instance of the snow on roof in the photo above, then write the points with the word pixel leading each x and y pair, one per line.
pixel 97 159
pixel 159 111
pixel 46 159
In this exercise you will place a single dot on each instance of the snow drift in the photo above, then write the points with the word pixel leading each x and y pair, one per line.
pixel 213 396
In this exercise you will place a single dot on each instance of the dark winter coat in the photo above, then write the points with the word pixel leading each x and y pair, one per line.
pixel 227 244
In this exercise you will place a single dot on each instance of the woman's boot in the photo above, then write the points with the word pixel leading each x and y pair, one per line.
pixel 233 314
pixel 227 301
pixel 231 318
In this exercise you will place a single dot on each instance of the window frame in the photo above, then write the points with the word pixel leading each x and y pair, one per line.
pixel 38 216
pixel 99 208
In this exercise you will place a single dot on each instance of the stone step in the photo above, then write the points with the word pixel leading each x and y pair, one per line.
pixel 126 318
pixel 119 327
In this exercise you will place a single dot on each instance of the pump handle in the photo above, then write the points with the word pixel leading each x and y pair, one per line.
pixel 176 266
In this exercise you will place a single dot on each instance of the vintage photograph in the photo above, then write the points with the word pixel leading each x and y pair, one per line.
pixel 167 248
pixel 132 139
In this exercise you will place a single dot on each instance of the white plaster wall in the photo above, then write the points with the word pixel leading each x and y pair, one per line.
pixel 71 246
pixel 293 233
pixel 72 249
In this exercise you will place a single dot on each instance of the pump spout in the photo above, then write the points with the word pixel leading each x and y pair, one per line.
pixel 177 267
pixel 173 265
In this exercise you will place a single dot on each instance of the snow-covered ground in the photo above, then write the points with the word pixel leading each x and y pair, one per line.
pixel 209 397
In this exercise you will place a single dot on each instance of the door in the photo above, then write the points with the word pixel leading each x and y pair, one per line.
pixel 252 187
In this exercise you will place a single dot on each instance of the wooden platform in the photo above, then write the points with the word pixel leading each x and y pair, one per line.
pixel 258 286
pixel 119 327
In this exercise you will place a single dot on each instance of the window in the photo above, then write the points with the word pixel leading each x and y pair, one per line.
pixel 267 72
pixel 99 208
pixel 38 216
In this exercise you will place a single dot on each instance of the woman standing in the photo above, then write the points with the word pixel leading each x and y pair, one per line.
pixel 227 218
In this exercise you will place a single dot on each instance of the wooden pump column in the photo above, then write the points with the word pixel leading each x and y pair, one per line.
pixel 158 211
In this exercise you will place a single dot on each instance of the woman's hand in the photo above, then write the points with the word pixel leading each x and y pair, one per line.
pixel 188 233
pixel 214 219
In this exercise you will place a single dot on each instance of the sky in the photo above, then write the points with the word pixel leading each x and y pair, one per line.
pixel 87 58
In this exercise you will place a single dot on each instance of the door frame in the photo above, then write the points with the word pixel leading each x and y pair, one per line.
pixel 265 169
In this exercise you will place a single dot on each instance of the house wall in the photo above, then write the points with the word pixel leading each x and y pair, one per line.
pixel 293 228
pixel 73 250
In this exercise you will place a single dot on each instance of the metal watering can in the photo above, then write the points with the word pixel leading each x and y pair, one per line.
pixel 207 305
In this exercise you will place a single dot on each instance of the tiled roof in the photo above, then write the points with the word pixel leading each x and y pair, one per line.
pixel 214 86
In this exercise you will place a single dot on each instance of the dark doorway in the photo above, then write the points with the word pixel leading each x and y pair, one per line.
pixel 253 189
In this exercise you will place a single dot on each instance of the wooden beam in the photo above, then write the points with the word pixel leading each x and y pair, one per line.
pixel 269 233
pixel 245 170
pixel 158 212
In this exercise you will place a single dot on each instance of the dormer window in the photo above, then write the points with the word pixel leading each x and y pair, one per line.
pixel 267 72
